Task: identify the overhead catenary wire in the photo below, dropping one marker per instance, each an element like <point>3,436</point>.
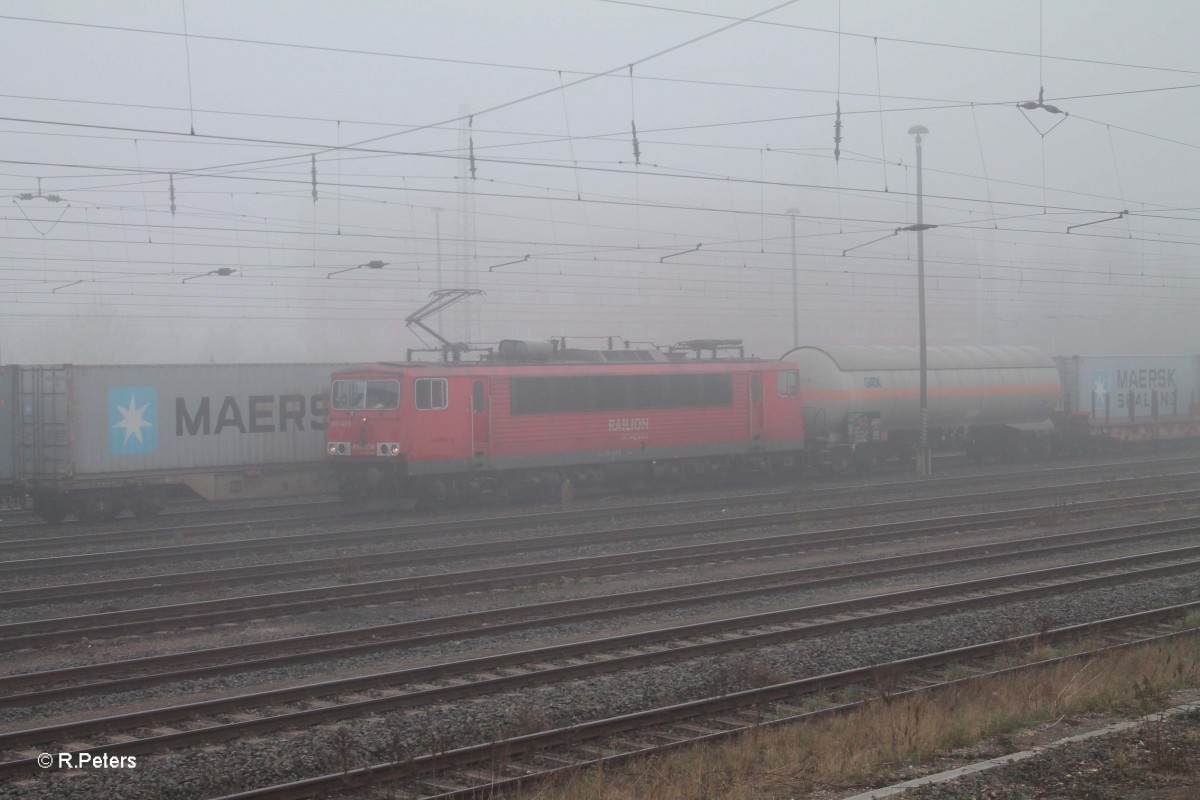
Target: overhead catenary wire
<point>658,201</point>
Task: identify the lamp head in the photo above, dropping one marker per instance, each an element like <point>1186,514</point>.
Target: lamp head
<point>918,130</point>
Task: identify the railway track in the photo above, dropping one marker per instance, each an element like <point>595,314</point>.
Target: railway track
<point>46,632</point>
<point>37,688</point>
<point>104,537</point>
<point>399,533</point>
<point>20,522</point>
<point>147,732</point>
<point>523,762</point>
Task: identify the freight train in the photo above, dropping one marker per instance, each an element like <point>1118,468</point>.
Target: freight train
<point>93,441</point>
<point>537,415</point>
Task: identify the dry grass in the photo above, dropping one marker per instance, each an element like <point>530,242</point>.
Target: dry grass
<point>880,741</point>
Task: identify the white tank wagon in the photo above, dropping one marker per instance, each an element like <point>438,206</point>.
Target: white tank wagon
<point>863,403</point>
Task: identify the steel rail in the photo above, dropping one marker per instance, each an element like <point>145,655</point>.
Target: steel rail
<point>58,563</point>
<point>567,741</point>
<point>464,627</point>
<point>389,532</point>
<point>649,647</point>
<point>105,527</point>
<point>582,513</point>
<point>42,632</point>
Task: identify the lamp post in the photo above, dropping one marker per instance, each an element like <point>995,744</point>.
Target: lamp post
<point>924,462</point>
<point>792,212</point>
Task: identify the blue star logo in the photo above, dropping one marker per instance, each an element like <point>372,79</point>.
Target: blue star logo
<point>132,420</point>
<point>1100,389</point>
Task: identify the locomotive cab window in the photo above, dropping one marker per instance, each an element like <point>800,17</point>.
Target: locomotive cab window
<point>431,393</point>
<point>788,383</point>
<point>358,395</point>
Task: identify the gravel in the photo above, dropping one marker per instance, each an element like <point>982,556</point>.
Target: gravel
<point>1158,759</point>
<point>291,755</point>
<point>252,762</point>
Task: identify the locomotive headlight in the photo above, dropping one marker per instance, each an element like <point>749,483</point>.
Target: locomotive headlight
<point>338,448</point>
<point>388,449</point>
<point>332,448</point>
<point>395,449</point>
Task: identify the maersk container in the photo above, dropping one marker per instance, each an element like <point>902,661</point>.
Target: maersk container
<point>1115,390</point>
<point>964,386</point>
<point>247,430</point>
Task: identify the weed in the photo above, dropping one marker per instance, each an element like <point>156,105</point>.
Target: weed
<point>956,672</point>
<point>814,703</point>
<point>344,748</point>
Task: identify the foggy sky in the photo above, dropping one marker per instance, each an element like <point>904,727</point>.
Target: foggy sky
<point>735,126</point>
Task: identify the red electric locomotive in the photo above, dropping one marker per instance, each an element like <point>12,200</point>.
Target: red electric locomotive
<point>537,415</point>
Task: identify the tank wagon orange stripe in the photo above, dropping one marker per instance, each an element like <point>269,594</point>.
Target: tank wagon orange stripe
<point>933,391</point>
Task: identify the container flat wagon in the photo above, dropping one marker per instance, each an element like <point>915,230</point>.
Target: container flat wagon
<point>1130,398</point>
<point>92,441</point>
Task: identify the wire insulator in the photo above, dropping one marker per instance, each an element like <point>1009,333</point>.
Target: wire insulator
<point>471,144</point>
<point>314,177</point>
<point>637,150</point>
<point>171,183</point>
<point>837,134</point>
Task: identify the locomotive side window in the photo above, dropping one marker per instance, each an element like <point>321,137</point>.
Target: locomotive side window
<point>788,383</point>
<point>478,401</point>
<point>431,393</point>
<point>356,395</point>
<point>619,392</point>
<point>755,388</point>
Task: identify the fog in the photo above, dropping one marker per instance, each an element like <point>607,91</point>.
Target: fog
<point>212,190</point>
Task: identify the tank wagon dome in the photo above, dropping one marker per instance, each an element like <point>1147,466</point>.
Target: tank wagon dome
<point>966,386</point>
